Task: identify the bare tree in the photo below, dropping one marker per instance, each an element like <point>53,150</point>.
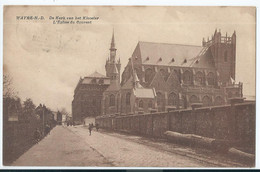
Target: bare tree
<point>8,90</point>
<point>64,111</point>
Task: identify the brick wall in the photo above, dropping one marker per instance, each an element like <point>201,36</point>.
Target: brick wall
<point>229,122</point>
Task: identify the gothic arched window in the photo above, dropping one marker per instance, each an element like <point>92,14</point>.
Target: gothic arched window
<point>128,95</point>
<point>210,77</point>
<point>194,99</point>
<point>172,100</point>
<point>163,73</point>
<point>187,77</point>
<point>148,75</point>
<point>141,104</point>
<point>111,100</point>
<point>199,78</point>
<point>206,101</point>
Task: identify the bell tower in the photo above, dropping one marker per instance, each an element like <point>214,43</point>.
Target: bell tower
<point>223,48</point>
<point>112,66</point>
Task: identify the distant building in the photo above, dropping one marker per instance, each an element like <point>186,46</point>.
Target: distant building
<point>59,118</point>
<point>161,76</point>
<point>88,96</point>
<point>45,114</point>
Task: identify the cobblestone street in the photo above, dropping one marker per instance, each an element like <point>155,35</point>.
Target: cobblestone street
<point>72,146</point>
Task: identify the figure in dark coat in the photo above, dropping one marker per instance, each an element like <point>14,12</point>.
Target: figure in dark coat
<point>97,126</point>
<point>37,135</point>
<point>47,129</point>
<point>90,128</point>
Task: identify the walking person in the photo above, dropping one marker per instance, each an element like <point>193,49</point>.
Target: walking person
<point>97,126</point>
<point>37,135</point>
<point>90,128</point>
<point>47,129</point>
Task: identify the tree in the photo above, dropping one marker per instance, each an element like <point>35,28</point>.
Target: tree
<point>8,90</point>
<point>28,106</point>
<point>11,102</point>
<point>64,111</point>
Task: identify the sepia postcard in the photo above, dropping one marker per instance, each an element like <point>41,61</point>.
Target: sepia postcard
<point>129,86</point>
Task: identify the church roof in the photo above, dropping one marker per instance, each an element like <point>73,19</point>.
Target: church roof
<point>128,84</point>
<point>96,75</point>
<point>169,54</point>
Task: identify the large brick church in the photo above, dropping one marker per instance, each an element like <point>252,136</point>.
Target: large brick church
<point>161,76</point>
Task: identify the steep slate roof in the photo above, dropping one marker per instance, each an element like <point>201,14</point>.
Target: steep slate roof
<point>96,75</point>
<point>128,84</point>
<point>183,55</point>
<point>205,60</point>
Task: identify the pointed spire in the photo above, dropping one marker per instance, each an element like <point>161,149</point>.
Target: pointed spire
<point>234,32</point>
<point>113,41</point>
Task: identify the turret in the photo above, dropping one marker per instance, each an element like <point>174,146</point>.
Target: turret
<point>113,49</point>
<point>233,38</point>
<point>223,50</point>
<point>113,67</point>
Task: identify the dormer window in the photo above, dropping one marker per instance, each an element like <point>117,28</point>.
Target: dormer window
<point>160,59</point>
<point>185,60</point>
<point>197,61</point>
<point>147,58</point>
<point>173,60</point>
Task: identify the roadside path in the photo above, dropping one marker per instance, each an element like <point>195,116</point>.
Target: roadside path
<point>62,148</point>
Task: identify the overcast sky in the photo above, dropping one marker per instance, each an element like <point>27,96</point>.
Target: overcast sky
<point>46,60</point>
